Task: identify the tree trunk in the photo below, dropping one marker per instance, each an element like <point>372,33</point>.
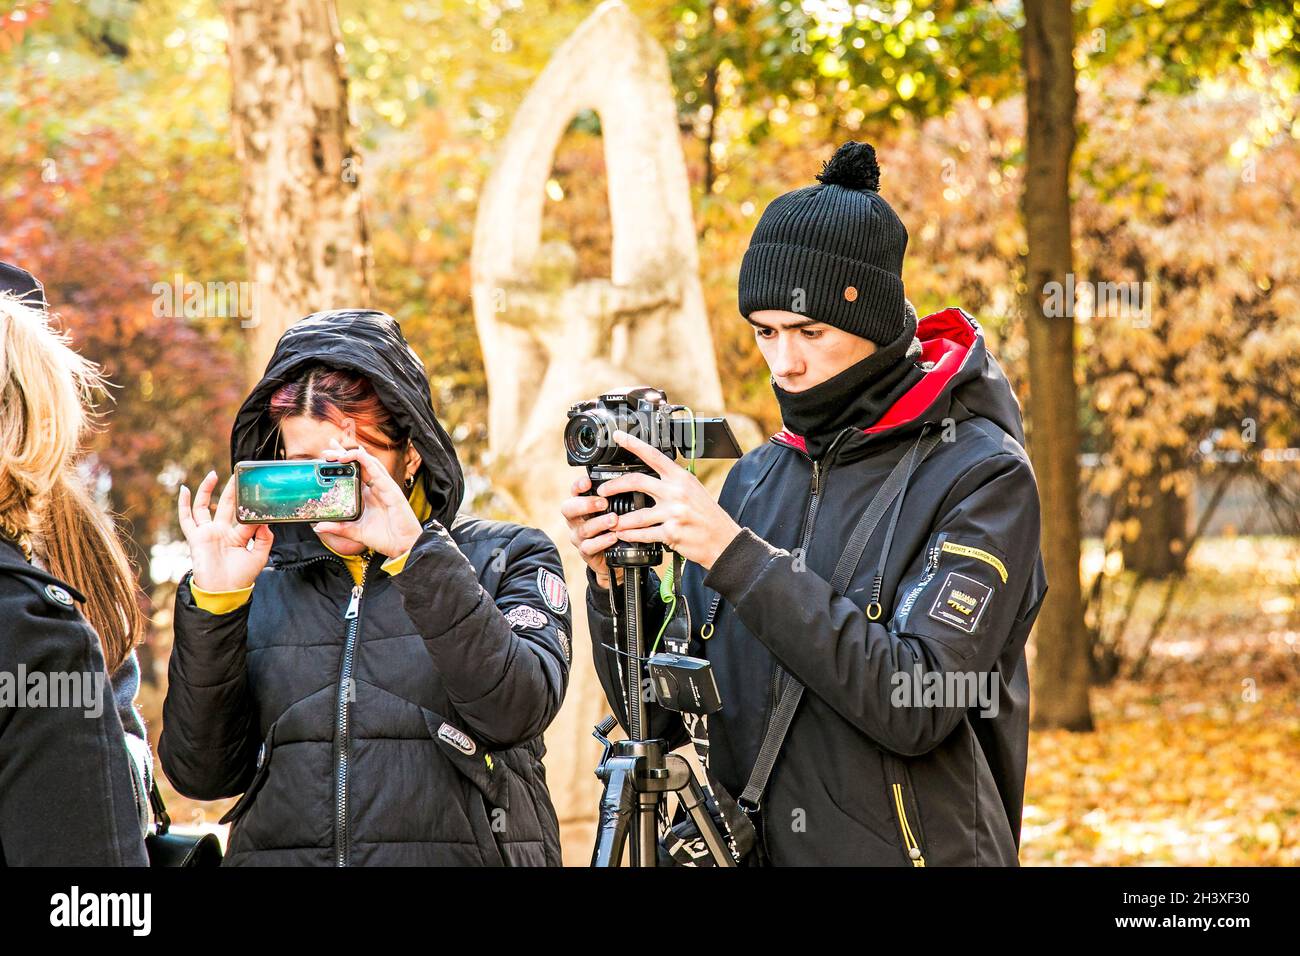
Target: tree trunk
<point>304,225</point>
<point>1061,664</point>
<point>1160,548</point>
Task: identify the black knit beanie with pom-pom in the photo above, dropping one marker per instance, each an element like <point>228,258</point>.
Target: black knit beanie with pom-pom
<point>832,252</point>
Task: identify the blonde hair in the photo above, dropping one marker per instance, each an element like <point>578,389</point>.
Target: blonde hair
<point>46,402</point>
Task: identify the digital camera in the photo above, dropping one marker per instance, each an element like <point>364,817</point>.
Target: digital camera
<point>645,413</point>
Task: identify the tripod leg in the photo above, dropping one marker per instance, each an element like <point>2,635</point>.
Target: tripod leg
<point>645,836</point>
<point>616,804</point>
<point>693,797</point>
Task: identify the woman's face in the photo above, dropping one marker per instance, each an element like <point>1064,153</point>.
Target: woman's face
<point>306,437</point>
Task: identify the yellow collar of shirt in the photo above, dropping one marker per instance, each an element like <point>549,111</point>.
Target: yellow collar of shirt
<point>356,562</point>
<point>223,602</point>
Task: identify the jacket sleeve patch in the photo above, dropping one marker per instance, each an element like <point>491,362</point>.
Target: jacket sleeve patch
<point>553,590</point>
<point>979,554</point>
<point>524,616</point>
<point>961,602</point>
<point>457,738</point>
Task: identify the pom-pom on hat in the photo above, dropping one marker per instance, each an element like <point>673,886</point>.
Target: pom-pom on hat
<point>833,251</point>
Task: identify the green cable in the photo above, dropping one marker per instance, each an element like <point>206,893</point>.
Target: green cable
<point>670,602</point>
<point>667,591</point>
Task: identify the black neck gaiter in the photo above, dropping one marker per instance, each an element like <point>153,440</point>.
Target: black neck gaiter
<point>856,397</point>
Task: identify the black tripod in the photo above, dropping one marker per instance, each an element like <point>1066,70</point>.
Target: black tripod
<point>638,774</point>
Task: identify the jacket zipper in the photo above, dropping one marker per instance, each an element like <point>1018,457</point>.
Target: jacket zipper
<point>706,629</point>
<point>295,565</point>
<point>931,569</point>
<point>810,515</point>
<point>910,843</point>
<point>353,616</point>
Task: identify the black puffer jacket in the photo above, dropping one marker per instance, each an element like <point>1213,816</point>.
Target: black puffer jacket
<point>66,796</point>
<point>863,779</point>
<point>409,733</point>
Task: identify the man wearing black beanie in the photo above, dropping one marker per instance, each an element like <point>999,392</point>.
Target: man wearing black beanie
<point>865,585</point>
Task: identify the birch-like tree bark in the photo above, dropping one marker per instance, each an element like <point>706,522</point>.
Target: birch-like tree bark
<point>303,222</point>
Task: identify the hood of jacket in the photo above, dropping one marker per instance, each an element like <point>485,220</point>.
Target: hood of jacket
<point>960,371</point>
<point>370,343</point>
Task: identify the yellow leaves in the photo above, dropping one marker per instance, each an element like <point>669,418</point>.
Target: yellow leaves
<point>831,65</point>
<point>1200,763</point>
<point>1269,835</point>
<point>1006,243</point>
<point>1100,12</point>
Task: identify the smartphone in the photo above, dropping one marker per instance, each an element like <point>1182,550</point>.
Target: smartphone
<point>277,492</point>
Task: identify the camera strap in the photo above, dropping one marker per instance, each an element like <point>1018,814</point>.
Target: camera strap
<point>751,799</point>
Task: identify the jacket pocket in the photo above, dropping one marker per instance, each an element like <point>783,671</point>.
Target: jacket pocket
<point>506,815</point>
<point>259,777</point>
<point>487,795</point>
<point>482,768</point>
<point>902,799</point>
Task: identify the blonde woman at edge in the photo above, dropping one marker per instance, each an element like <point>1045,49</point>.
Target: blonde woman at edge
<point>71,793</point>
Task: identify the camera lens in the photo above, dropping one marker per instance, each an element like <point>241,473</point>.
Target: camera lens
<point>588,438</point>
<point>582,438</point>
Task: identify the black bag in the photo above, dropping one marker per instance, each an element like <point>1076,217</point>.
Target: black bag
<point>172,849</point>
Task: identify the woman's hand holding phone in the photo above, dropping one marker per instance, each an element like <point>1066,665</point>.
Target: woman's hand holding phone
<point>220,551</point>
<point>387,523</point>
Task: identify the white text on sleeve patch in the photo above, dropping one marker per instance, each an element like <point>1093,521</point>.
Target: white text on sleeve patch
<point>961,602</point>
<point>524,616</point>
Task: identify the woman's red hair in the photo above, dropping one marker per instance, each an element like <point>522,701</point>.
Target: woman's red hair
<point>333,394</point>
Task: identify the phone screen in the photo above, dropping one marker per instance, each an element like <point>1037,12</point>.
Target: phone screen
<point>271,492</point>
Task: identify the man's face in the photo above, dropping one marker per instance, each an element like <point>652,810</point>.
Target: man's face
<point>305,437</point>
<point>802,352</point>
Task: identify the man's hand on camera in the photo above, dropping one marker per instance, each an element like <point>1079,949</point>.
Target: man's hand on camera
<point>589,522</point>
<point>684,516</point>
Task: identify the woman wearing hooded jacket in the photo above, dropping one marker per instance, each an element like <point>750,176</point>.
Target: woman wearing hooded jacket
<point>69,795</point>
<point>376,690</point>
